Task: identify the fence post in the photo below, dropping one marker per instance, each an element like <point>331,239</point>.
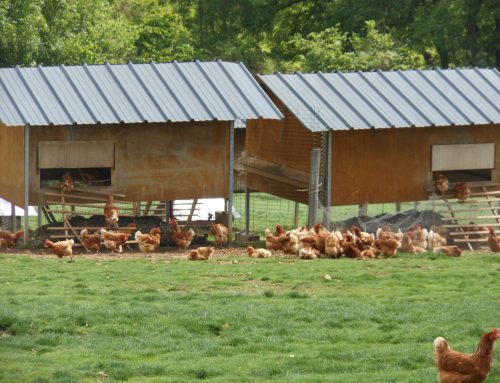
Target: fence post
<point>13,219</point>
<point>363,209</point>
<point>247,210</point>
<point>296,215</point>
<point>314,187</point>
<point>398,207</point>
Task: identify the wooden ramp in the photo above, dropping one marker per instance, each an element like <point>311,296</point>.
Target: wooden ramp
<point>77,203</point>
<point>85,202</point>
<point>467,222</point>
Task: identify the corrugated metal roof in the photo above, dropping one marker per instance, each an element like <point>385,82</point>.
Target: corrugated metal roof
<point>361,100</point>
<point>131,93</point>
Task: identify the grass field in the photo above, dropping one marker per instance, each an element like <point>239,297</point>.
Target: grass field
<point>274,320</point>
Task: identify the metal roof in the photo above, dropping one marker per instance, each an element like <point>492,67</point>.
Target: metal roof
<point>361,100</point>
<point>131,93</point>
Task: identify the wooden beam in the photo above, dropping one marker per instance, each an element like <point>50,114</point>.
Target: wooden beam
<point>193,209</point>
<point>76,196</point>
<point>470,225</point>
<point>69,212</point>
<point>466,240</point>
<point>469,218</point>
<point>314,187</point>
<point>467,210</point>
<point>83,227</point>
<point>276,172</point>
<point>90,191</point>
<point>87,205</point>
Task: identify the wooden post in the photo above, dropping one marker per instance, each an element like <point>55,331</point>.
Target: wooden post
<point>26,182</point>
<point>230,183</point>
<point>169,210</point>
<point>247,210</point>
<point>63,208</point>
<point>398,207</point>
<point>363,209</point>
<point>193,208</point>
<point>314,186</point>
<point>328,188</point>
<point>296,215</point>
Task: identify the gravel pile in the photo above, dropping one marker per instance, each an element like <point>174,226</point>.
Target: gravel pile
<point>403,220</point>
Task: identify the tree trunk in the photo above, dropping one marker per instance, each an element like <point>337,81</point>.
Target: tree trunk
<point>497,41</point>
<point>472,10</point>
<point>444,57</point>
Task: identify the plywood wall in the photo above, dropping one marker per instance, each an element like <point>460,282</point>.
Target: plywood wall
<point>387,165</point>
<point>373,166</point>
<point>11,164</point>
<point>154,161</point>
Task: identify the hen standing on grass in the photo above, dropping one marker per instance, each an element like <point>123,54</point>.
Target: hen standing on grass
<point>493,241</point>
<point>7,239</point>
<point>457,367</point>
<point>148,242</point>
<point>61,248</point>
<point>182,238</point>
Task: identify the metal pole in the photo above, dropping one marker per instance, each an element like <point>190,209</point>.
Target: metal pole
<point>26,181</point>
<point>13,222</point>
<point>328,188</point>
<point>230,187</point>
<point>247,211</point>
<point>314,186</point>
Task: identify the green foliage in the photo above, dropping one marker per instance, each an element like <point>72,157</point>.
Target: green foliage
<point>334,50</point>
<point>267,35</point>
<point>21,27</point>
<point>163,37</point>
<point>85,31</point>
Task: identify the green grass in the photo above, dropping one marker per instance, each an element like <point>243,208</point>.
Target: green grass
<point>269,320</point>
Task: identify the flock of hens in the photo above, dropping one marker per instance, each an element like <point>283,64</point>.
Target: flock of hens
<point>452,366</point>
<point>304,242</point>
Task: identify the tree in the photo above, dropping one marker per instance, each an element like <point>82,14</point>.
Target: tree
<point>21,27</point>
<point>163,36</point>
<point>85,31</point>
<point>333,50</point>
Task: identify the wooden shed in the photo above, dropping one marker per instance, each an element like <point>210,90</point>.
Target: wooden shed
<point>158,131</point>
<point>387,134</point>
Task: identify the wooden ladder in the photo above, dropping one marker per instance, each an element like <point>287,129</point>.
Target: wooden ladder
<point>485,197</point>
<point>65,204</point>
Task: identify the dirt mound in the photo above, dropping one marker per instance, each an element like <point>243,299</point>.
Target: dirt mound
<point>403,220</point>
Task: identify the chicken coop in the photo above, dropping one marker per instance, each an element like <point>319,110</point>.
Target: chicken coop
<point>383,136</point>
<point>141,132</point>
